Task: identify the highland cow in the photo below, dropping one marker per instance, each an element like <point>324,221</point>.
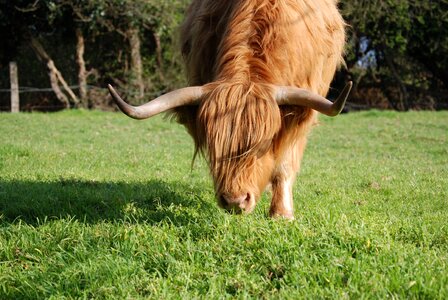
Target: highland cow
<point>258,71</point>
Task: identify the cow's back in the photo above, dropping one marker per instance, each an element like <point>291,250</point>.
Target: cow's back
<point>284,42</point>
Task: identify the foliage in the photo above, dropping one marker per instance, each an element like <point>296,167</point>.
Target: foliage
<point>397,50</point>
<point>105,25</point>
<point>102,206</point>
<point>408,41</point>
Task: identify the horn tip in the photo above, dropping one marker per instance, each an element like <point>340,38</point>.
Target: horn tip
<point>350,86</point>
<point>340,102</point>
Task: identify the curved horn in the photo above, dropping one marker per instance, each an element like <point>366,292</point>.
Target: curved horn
<point>177,98</point>
<point>287,95</point>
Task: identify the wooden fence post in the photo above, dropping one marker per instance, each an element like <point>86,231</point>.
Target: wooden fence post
<point>14,87</point>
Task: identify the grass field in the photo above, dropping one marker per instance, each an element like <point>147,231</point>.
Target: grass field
<point>96,205</point>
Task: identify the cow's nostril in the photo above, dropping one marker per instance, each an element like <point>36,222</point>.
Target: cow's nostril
<point>234,203</point>
<point>236,200</point>
<point>222,201</point>
<point>247,200</point>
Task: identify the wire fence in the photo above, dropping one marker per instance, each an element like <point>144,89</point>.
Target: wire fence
<point>44,107</point>
<point>127,94</point>
<point>23,89</point>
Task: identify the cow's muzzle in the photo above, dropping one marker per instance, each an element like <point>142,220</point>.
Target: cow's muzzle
<point>243,203</point>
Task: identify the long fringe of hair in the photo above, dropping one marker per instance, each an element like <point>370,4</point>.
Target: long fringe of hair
<point>236,124</point>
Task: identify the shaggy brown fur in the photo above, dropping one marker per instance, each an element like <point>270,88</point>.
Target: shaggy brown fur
<point>237,48</point>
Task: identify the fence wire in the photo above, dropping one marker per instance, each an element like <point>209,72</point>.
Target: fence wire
<point>25,89</point>
<point>129,92</point>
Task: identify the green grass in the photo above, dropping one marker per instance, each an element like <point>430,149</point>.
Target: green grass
<point>96,205</point>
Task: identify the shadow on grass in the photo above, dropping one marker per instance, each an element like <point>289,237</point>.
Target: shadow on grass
<point>152,202</point>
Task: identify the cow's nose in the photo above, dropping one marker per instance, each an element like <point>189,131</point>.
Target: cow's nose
<point>236,203</point>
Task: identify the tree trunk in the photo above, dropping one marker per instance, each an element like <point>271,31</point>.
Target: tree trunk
<point>403,95</point>
<point>82,73</point>
<point>55,84</point>
<point>54,74</point>
<point>159,56</point>
<point>136,62</point>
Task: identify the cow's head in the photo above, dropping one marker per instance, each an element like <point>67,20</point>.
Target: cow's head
<point>236,125</point>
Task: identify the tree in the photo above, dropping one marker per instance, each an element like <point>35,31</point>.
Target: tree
<point>397,50</point>
<point>121,41</point>
<point>24,22</point>
<point>407,41</point>
<point>132,20</point>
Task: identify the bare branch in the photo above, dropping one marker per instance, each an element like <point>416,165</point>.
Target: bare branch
<point>30,8</point>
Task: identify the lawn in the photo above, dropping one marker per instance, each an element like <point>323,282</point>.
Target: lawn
<point>96,205</point>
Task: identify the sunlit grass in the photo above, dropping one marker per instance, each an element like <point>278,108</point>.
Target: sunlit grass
<point>96,205</point>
